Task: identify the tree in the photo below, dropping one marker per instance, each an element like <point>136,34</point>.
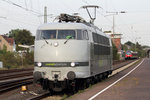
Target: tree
<point>13,33</point>
<point>140,50</point>
<point>8,59</point>
<point>29,58</point>
<point>124,47</point>
<point>115,52</point>
<point>129,43</point>
<point>21,37</point>
<point>137,48</point>
<point>131,46</point>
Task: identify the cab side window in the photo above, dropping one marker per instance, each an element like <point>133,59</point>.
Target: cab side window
<point>85,35</point>
<point>82,35</point>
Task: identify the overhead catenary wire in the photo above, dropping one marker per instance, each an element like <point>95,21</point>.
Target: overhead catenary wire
<point>110,21</point>
<point>17,5</point>
<point>127,28</point>
<point>25,9</point>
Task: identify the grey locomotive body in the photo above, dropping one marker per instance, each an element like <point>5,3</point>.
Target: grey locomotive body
<point>71,54</point>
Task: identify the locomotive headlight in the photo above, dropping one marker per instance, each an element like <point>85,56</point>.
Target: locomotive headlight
<point>72,64</point>
<point>39,64</point>
<point>55,44</point>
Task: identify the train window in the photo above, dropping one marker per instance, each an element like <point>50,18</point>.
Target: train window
<point>64,34</point>
<point>85,35</point>
<point>45,34</point>
<point>82,35</point>
<point>48,34</point>
<point>79,34</point>
<point>128,53</point>
<point>100,39</point>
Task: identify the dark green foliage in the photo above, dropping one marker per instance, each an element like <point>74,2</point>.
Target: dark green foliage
<point>29,58</point>
<point>24,37</point>
<point>139,49</point>
<point>124,47</point>
<point>8,59</point>
<point>129,43</point>
<point>15,60</point>
<point>14,33</point>
<point>115,53</point>
<point>136,47</point>
<point>21,37</point>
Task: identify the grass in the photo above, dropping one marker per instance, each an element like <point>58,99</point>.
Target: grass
<point>64,97</point>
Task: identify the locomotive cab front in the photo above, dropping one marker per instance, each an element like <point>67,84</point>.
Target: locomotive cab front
<point>61,53</point>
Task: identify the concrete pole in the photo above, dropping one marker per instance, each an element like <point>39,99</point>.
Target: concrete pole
<point>45,14</point>
<point>113,24</point>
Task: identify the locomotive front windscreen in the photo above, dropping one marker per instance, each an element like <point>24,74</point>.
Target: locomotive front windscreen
<point>62,34</point>
<point>65,34</point>
<point>46,34</point>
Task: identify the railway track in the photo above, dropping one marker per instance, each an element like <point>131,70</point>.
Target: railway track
<point>117,65</point>
<point>15,75</point>
<point>15,70</point>
<point>40,96</point>
<point>47,93</point>
<point>11,79</point>
<point>6,85</point>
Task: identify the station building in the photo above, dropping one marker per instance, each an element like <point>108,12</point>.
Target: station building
<point>116,39</point>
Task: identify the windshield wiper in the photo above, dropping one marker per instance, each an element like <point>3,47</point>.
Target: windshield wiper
<point>68,37</point>
<point>45,39</point>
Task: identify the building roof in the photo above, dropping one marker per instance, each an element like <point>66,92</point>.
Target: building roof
<point>9,40</point>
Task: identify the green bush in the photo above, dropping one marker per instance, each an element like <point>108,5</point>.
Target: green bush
<point>16,60</point>
<point>29,58</point>
<point>116,56</point>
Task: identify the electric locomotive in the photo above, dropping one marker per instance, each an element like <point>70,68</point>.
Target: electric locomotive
<point>70,54</point>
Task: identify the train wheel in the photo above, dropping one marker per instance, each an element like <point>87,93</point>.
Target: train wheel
<point>92,81</point>
<point>83,84</point>
<point>105,75</point>
<point>95,79</point>
<point>100,78</point>
<point>51,92</point>
<point>74,90</point>
<point>87,83</point>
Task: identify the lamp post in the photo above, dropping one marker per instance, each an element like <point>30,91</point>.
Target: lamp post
<point>116,38</point>
<point>113,14</point>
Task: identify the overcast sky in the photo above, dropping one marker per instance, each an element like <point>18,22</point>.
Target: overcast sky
<point>27,14</point>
